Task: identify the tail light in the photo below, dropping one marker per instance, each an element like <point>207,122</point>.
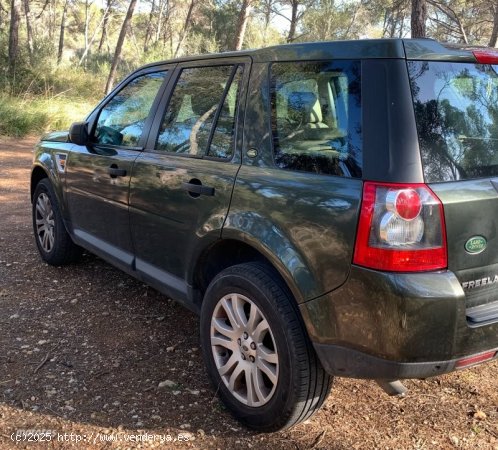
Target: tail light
<point>401,228</point>
<point>486,56</point>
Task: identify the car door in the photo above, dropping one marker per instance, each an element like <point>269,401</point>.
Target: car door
<point>98,174</point>
<point>182,183</point>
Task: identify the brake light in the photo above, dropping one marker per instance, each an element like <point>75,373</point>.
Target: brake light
<point>405,202</point>
<point>486,56</point>
<point>401,228</point>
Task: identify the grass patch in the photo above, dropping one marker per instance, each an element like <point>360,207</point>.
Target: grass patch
<point>34,115</point>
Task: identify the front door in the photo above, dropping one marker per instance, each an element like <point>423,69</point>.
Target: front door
<point>98,175</point>
<point>182,183</point>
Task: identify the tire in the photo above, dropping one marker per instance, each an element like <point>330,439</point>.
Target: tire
<point>287,382</point>
<point>52,239</point>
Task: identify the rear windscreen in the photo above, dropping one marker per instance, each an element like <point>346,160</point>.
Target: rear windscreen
<point>456,110</point>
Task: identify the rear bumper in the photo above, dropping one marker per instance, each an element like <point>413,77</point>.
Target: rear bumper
<point>345,362</point>
<point>388,325</point>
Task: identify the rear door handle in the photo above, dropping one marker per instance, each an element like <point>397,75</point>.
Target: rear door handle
<point>198,189</point>
<point>114,172</point>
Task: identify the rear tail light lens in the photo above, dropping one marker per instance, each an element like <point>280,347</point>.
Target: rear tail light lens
<point>486,56</point>
<point>405,202</point>
<point>401,229</point>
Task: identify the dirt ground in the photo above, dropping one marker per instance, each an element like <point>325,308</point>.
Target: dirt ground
<point>84,348</point>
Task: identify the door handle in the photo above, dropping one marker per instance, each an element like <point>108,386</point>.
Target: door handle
<point>114,171</point>
<point>195,188</point>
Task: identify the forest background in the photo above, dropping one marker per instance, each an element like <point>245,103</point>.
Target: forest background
<point>58,57</point>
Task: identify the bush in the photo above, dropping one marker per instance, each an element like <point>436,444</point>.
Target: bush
<point>42,96</point>
<point>32,115</point>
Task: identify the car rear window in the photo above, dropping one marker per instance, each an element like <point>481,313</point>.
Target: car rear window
<point>456,110</point>
<point>316,117</point>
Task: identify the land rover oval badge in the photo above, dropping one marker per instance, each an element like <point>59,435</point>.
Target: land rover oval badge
<point>476,244</point>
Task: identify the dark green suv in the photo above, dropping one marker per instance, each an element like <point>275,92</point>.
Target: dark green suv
<point>328,209</point>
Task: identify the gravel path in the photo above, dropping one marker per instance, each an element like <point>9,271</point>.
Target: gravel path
<point>104,361</point>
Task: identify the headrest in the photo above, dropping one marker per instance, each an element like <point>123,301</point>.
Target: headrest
<point>203,103</point>
<point>304,106</point>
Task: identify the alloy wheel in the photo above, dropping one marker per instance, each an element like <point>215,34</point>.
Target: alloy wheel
<point>244,350</point>
<point>45,223</point>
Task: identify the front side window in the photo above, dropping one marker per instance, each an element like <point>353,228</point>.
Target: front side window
<point>122,120</point>
<point>456,111</point>
<point>200,117</point>
<point>316,117</point>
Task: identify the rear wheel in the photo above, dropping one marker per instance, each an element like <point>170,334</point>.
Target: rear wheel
<point>256,349</point>
<point>53,241</point>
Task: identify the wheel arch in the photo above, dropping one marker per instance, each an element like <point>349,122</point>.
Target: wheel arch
<point>231,251</point>
<point>43,168</point>
<point>37,174</point>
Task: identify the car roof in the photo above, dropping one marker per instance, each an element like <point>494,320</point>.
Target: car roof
<point>425,49</point>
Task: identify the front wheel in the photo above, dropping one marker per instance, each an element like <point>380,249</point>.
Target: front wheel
<point>52,239</point>
<point>256,349</point>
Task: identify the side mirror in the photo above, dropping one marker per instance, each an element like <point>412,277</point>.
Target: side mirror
<point>78,133</point>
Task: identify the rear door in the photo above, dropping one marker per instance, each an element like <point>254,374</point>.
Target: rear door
<point>182,183</point>
<point>98,175</point>
<point>456,109</point>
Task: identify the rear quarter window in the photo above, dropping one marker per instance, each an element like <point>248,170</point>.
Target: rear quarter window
<point>456,110</point>
<point>316,117</point>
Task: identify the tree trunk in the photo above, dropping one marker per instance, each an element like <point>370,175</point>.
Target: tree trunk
<point>494,34</point>
<point>183,34</point>
<point>148,31</point>
<point>119,45</point>
<point>87,49</point>
<point>419,15</point>
<point>87,22</point>
<point>103,36</point>
<point>267,10</point>
<point>162,5</point>
<point>13,35</point>
<point>242,24</point>
<point>293,21</point>
<point>52,18</point>
<point>29,30</point>
<point>61,34</point>
<point>87,29</point>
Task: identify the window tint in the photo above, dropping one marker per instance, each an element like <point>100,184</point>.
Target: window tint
<point>456,110</point>
<point>316,117</point>
<point>122,120</point>
<point>194,107</point>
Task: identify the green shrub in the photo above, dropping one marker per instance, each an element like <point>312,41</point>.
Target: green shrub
<point>34,115</point>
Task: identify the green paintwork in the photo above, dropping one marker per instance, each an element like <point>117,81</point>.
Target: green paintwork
<point>470,209</point>
<point>56,136</point>
<point>98,204</point>
<point>400,317</point>
<point>44,161</point>
<point>390,314</point>
<point>167,224</point>
<point>305,224</point>
<point>429,49</point>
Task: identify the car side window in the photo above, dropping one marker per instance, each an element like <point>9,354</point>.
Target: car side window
<point>121,121</point>
<point>316,117</point>
<point>200,117</point>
